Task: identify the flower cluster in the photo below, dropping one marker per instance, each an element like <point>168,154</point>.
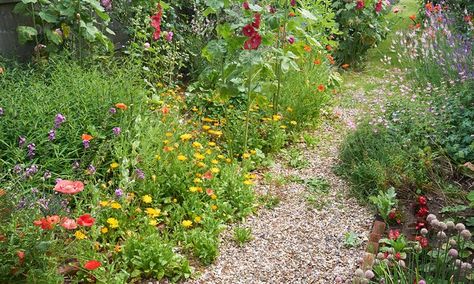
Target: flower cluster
<point>251,32</point>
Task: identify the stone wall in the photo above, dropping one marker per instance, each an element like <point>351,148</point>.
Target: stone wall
<point>9,45</point>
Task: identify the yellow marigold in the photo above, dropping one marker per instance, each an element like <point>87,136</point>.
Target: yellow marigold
<point>215,170</point>
<point>208,151</point>
<point>166,142</point>
<point>104,230</point>
<point>114,165</point>
<point>194,109</point>
<point>253,152</point>
<point>214,207</point>
<point>152,212</point>
<point>283,126</point>
<point>197,219</point>
<point>228,160</point>
<point>157,157</point>
<point>293,122</point>
<point>207,119</point>
<point>221,157</point>
<point>213,197</point>
<point>168,134</point>
<point>113,223</point>
<point>215,162</point>
<point>197,144</point>
<point>104,203</point>
<point>206,127</point>
<point>199,156</point>
<point>80,235</point>
<point>197,180</point>
<point>187,223</point>
<point>276,117</point>
<point>115,205</point>
<point>248,182</point>
<point>211,144</point>
<point>182,158</point>
<point>215,132</point>
<point>245,155</point>
<point>185,137</point>
<point>117,248</point>
<point>147,199</point>
<point>153,222</point>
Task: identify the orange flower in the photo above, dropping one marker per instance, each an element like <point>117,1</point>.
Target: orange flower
<point>413,17</point>
<point>317,61</point>
<point>86,137</point>
<point>165,110</point>
<point>121,106</point>
<point>291,14</point>
<point>345,66</point>
<point>307,48</point>
<point>321,88</point>
<point>331,59</point>
<point>328,47</point>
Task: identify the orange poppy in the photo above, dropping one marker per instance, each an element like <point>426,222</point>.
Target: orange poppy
<point>121,106</point>
<point>345,66</point>
<point>317,61</point>
<point>86,137</point>
<point>307,48</point>
<point>321,88</point>
<point>328,47</point>
<point>418,26</point>
<point>413,17</point>
<point>291,14</point>
<point>165,110</point>
<point>331,59</point>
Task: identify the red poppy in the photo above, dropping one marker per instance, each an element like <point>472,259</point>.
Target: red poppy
<point>165,110</point>
<point>209,191</point>
<point>69,186</point>
<point>398,256</point>
<point>249,30</point>
<point>422,200</point>
<point>429,7</point>
<point>253,42</point>
<point>53,219</point>
<point>21,256</point>
<point>345,66</point>
<point>321,88</point>
<point>92,265</point>
<point>392,214</point>
<point>85,220</point>
<point>44,223</point>
<point>256,21</point>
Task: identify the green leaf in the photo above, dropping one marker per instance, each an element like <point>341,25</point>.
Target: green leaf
<point>307,14</point>
<point>48,16</point>
<point>53,36</point>
<point>26,33</point>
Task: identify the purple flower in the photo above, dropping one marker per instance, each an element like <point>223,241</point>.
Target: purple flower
<point>31,150</point>
<point>34,190</point>
<point>118,192</point>
<point>291,39</point>
<point>86,144</point>
<point>91,169</point>
<point>21,141</point>
<point>47,175</point>
<point>1,111</point>
<point>52,135</point>
<point>31,171</point>
<point>140,174</point>
<point>116,131</point>
<point>17,169</point>
<point>169,36</point>
<point>112,110</point>
<point>293,2</point>
<point>21,204</point>
<point>58,120</point>
<point>107,4</point>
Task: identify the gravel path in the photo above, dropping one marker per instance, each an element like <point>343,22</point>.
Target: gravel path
<point>299,241</point>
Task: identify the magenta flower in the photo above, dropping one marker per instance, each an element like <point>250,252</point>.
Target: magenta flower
<point>52,135</point>
<point>291,39</point>
<point>169,36</point>
<point>116,131</point>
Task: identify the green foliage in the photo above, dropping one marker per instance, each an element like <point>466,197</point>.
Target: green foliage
<point>77,24</point>
<point>351,240</point>
<point>242,235</point>
<point>361,28</point>
<point>269,201</point>
<point>385,202</point>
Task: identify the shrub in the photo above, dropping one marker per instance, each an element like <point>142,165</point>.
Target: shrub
<point>362,25</point>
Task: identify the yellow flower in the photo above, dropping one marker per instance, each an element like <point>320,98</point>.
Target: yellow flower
<point>289,109</point>
<point>213,197</point>
<point>201,165</point>
<point>117,248</point>
<point>248,182</point>
<point>114,165</point>
<point>197,219</point>
<point>185,137</point>
<point>147,199</point>
<point>215,170</point>
<point>80,235</point>
<point>214,207</point>
<point>104,186</point>
<point>207,119</point>
<point>215,132</point>
<point>157,157</point>
<point>104,230</point>
<point>153,177</point>
<point>104,203</point>
<point>253,152</point>
<point>199,156</point>
<point>283,126</point>
<point>293,122</point>
<point>276,117</point>
<point>211,144</point>
<point>152,212</point>
<point>245,155</point>
<point>197,144</point>
<point>168,134</point>
<point>194,109</point>
<point>166,141</point>
<point>228,160</point>
<point>194,189</point>
<point>138,210</point>
<point>175,200</point>
<point>113,223</point>
<point>115,205</point>
<point>215,162</point>
<point>221,157</point>
<point>187,223</point>
<point>153,222</point>
<point>250,176</point>
<point>197,180</point>
<point>206,127</point>
<point>208,151</point>
<point>182,158</point>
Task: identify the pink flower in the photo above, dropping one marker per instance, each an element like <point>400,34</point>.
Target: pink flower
<point>207,175</point>
<point>256,21</point>
<point>68,224</point>
<point>360,4</point>
<point>249,31</point>
<point>394,234</point>
<point>293,2</point>
<point>378,6</point>
<point>69,186</point>
<point>291,39</point>
<point>156,22</point>
<point>209,191</point>
<point>253,42</point>
<point>169,36</point>
<point>246,5</point>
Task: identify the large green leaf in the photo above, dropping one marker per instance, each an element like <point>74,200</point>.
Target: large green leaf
<point>26,34</point>
<point>49,16</point>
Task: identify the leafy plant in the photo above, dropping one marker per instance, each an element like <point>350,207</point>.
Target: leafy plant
<point>242,235</point>
<point>351,239</point>
<point>384,202</point>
